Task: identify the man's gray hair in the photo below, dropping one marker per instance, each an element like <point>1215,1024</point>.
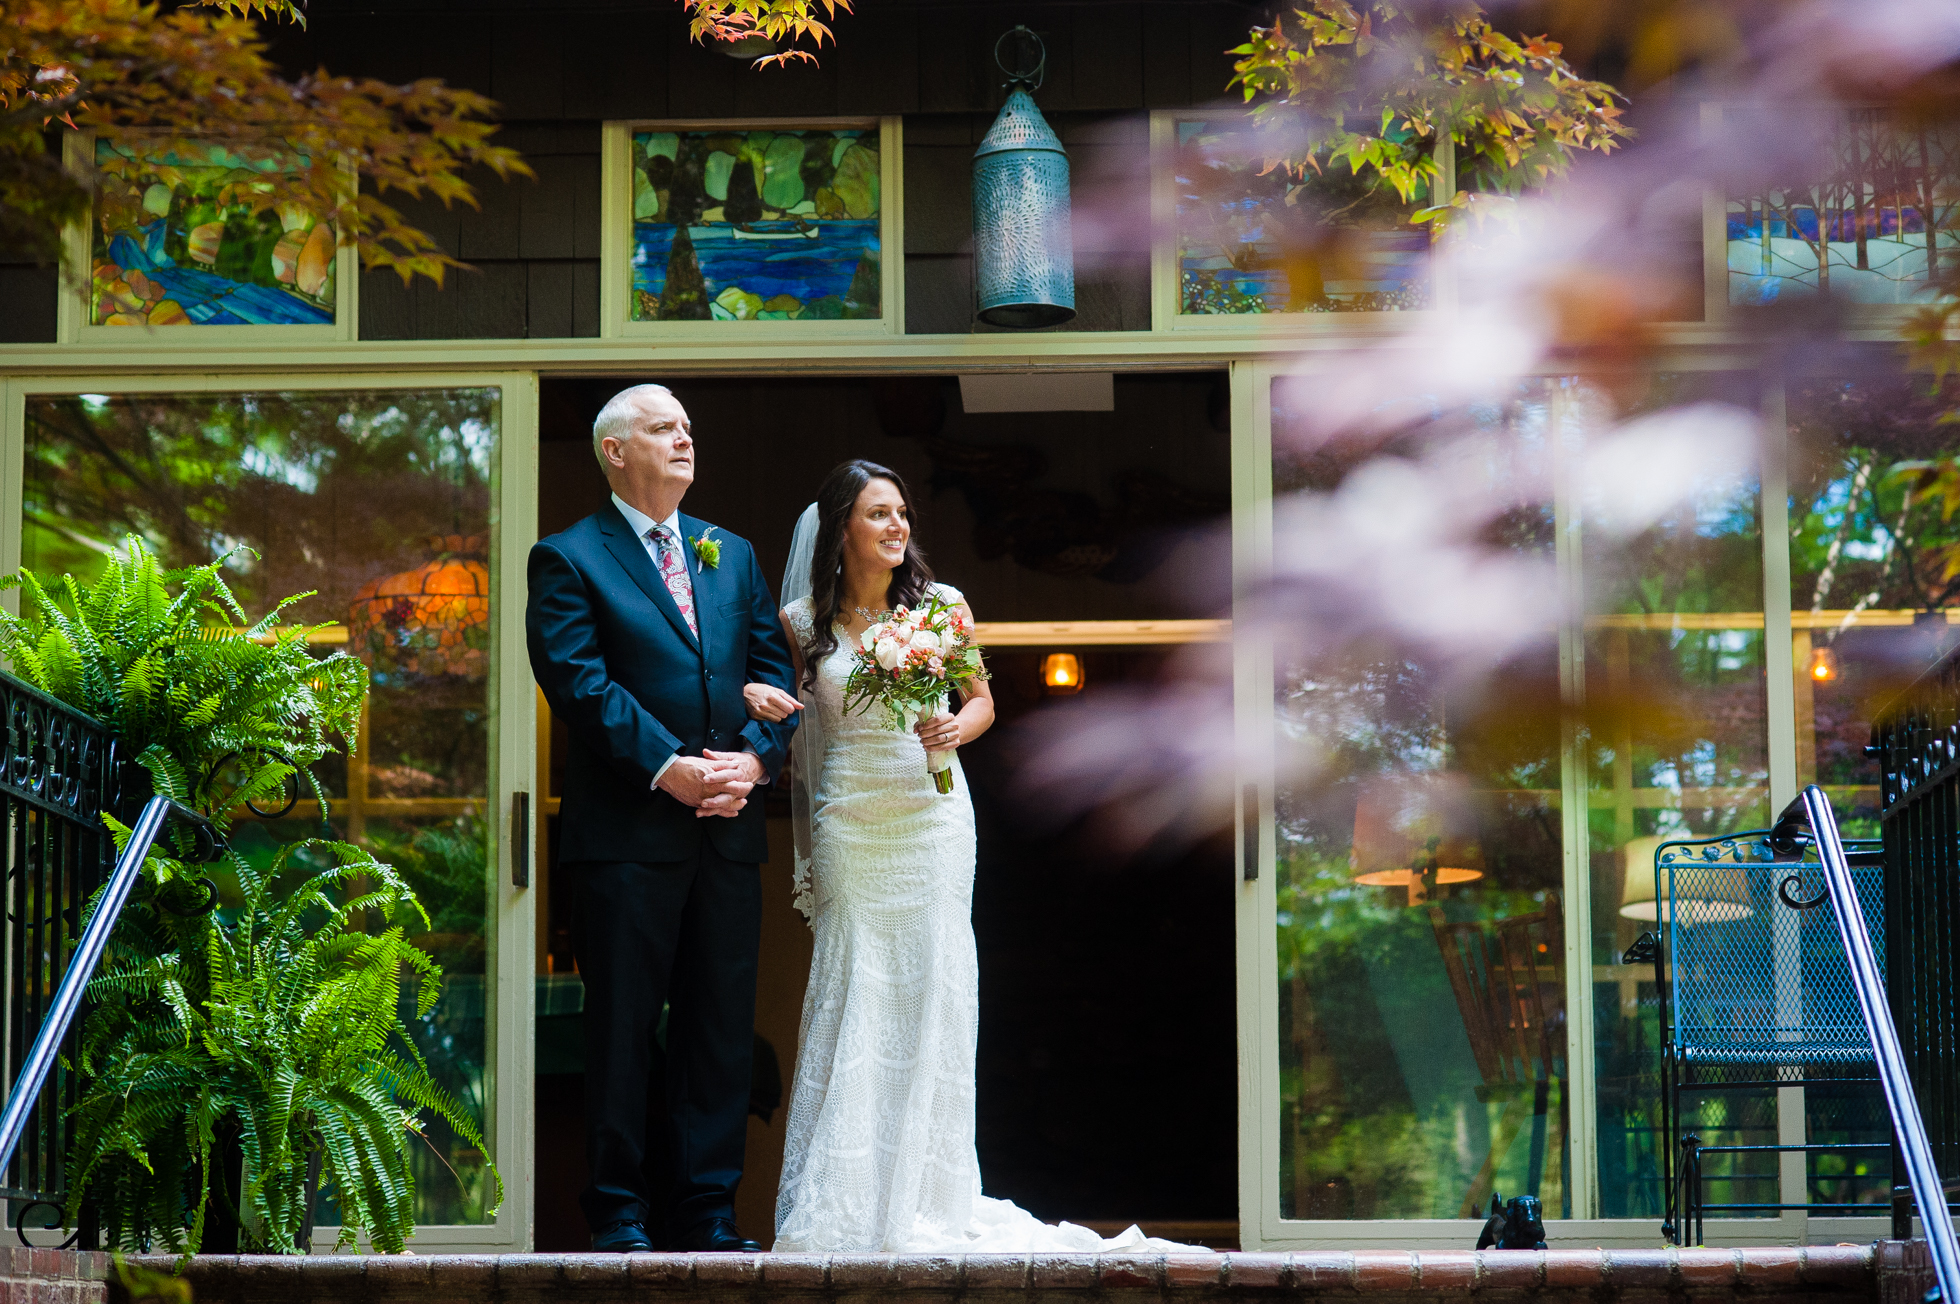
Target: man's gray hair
<point>615,419</point>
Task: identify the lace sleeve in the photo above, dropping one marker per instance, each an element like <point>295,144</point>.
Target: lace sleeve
<point>802,621</point>
<point>806,753</point>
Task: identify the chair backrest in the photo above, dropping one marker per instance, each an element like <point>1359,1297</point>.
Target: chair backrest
<point>1754,980</point>
<point>1508,976</point>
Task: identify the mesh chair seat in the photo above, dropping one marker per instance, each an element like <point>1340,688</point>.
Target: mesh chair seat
<point>1754,980</point>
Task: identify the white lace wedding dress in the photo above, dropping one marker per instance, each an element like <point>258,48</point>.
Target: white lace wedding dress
<point>879,1156</point>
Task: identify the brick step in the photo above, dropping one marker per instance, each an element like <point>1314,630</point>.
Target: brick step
<point>1777,1275</point>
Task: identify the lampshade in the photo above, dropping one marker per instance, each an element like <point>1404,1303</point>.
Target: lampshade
<point>1061,672</point>
<point>1409,838</point>
<point>432,620</point>
<point>1644,892</point>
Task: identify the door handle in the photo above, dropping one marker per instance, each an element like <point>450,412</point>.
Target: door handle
<point>520,839</point>
<point>1249,848</point>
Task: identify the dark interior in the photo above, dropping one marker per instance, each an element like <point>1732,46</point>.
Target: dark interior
<point>1107,1066</point>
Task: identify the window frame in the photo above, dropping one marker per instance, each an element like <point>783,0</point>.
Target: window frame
<point>511,912</point>
<point>75,333</point>
<point>1256,717</point>
<point>1165,281</point>
<point>616,239</point>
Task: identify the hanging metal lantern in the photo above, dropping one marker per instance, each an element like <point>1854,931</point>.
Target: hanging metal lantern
<point>1023,255</point>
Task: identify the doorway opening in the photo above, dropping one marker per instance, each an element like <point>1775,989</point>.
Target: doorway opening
<point>1107,1068</point>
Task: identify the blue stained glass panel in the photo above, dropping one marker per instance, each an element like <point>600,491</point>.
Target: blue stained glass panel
<point>756,226</point>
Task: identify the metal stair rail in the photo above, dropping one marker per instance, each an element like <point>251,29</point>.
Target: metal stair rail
<point>1811,813</point>
<point>59,771</point>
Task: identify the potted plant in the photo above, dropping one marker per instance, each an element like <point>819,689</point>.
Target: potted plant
<point>274,1024</point>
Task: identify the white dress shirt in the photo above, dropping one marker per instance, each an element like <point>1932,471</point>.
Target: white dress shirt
<point>643,526</point>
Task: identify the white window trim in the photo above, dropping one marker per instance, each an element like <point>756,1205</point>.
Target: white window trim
<point>511,925</point>
<point>616,239</point>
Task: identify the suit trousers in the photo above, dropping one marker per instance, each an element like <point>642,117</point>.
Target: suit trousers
<point>682,934</point>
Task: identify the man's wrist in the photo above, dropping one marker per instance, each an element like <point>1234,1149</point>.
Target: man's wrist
<point>661,773</point>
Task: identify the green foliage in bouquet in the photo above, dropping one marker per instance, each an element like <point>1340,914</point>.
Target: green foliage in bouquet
<point>219,708</point>
<point>278,1021</point>
<point>918,682</point>
<point>288,1022</point>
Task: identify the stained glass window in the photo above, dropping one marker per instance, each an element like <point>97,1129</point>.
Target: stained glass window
<point>1873,227</point>
<point>756,225</point>
<point>1256,240</point>
<point>182,237</point>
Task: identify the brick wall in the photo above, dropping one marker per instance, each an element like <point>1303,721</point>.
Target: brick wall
<point>29,1276</point>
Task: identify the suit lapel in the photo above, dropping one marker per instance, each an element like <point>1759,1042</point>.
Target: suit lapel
<point>632,556</point>
<point>707,581</point>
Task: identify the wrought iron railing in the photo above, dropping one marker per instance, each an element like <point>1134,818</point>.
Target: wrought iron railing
<point>59,770</point>
<point>1809,818</point>
<point>1917,743</point>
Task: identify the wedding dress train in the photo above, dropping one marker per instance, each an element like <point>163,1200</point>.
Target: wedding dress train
<point>880,1155</point>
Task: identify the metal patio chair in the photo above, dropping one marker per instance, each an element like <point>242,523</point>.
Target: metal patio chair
<point>1754,988</point>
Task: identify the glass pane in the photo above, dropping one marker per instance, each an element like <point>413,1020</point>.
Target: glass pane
<point>1420,917</point>
<point>174,243</point>
<point>1873,226</point>
<point>741,225</point>
<point>1871,580</point>
<point>1677,747</point>
<point>1872,593</point>
<point>379,502</point>
<point>1254,240</point>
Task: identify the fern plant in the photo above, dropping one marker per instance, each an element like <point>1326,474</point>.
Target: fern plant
<point>281,1023</point>
<point>288,1022</point>
<point>220,709</point>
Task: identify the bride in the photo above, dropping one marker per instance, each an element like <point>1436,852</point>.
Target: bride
<point>880,1155</point>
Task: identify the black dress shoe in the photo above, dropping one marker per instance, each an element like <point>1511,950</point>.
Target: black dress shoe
<point>717,1236</point>
<point>627,1236</point>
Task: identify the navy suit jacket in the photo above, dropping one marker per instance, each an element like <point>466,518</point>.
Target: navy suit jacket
<point>618,665</point>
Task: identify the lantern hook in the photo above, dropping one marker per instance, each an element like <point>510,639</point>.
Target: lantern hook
<point>1029,78</point>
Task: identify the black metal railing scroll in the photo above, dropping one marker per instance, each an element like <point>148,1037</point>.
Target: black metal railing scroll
<point>59,770</point>
<point>1810,818</point>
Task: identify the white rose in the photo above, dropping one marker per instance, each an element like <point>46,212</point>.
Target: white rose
<point>887,652</point>
<point>926,639</point>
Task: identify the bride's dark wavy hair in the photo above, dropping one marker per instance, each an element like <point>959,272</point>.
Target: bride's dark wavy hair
<point>835,500</point>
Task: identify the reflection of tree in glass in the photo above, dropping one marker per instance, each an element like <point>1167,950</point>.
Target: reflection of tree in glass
<point>330,488</point>
<point>1359,1137</point>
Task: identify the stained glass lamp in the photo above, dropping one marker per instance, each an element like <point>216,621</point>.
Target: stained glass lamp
<point>429,621</point>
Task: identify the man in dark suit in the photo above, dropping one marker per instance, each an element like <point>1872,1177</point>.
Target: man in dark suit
<point>643,627</point>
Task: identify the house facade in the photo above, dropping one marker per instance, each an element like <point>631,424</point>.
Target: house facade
<point>1330,1025</point>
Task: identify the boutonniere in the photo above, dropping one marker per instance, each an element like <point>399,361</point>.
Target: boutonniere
<point>706,551</point>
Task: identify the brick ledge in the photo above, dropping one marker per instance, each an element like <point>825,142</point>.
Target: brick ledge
<point>1769,1273</point>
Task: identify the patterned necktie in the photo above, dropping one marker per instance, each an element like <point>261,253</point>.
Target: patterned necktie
<point>674,571</point>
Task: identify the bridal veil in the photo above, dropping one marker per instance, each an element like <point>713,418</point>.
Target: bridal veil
<point>806,749</point>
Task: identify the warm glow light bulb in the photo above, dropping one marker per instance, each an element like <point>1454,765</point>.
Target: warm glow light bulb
<point>1061,672</point>
<point>1823,665</point>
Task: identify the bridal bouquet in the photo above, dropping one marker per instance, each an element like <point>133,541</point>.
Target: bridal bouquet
<point>909,661</point>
